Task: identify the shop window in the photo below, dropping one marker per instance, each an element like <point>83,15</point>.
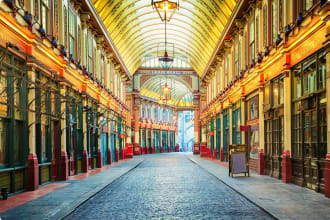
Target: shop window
<point>309,121</point>
<point>278,91</point>
<point>90,54</point>
<point>45,15</point>
<point>254,141</point>
<point>237,69</point>
<point>257,34</point>
<point>322,71</point>
<point>309,77</point>
<point>236,120</point>
<point>267,95</point>
<point>265,26</point>
<point>65,12</point>
<point>226,70</point>
<point>280,15</point>
<point>3,96</point>
<point>296,72</point>
<point>102,70</point>
<point>274,10</point>
<point>72,33</point>
<point>253,108</point>
<point>3,143</point>
<point>252,40</point>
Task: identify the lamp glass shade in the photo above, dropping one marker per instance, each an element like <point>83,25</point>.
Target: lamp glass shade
<point>165,9</point>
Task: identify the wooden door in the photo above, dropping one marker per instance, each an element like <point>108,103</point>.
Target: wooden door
<point>72,149</point>
<point>311,165</point>
<point>277,146</point>
<point>104,148</point>
<point>55,151</point>
<point>268,147</point>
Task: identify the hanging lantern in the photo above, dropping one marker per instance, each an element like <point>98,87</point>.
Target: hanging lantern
<point>165,8</point>
<point>166,90</point>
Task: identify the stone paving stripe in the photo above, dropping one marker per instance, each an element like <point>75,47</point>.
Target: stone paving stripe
<point>59,203</point>
<point>282,200</point>
<point>237,191</point>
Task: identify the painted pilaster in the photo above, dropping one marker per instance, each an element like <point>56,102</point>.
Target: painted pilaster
<point>196,123</point>
<point>286,157</point>
<point>221,137</point>
<point>32,167</point>
<point>109,139</point>
<point>261,159</point>
<point>243,120</point>
<point>161,139</point>
<point>99,131</point>
<point>203,145</point>
<point>64,174</point>
<point>327,161</point>
<point>136,110</point>
<point>177,147</point>
<point>152,141</point>
<point>147,141</point>
<point>85,134</point>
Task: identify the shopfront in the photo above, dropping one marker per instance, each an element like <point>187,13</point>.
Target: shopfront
<point>226,137</point>
<point>274,126</point>
<point>13,123</point>
<point>236,122</point>
<point>74,137</point>
<point>252,121</point>
<point>309,122</point>
<point>92,133</point>
<point>47,127</point>
<point>113,141</point>
<point>218,135</point>
<point>157,140</point>
<point>165,141</point>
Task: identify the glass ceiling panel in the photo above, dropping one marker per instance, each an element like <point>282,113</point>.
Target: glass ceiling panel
<point>194,28</point>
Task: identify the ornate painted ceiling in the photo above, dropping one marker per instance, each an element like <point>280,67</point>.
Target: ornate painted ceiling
<point>137,30</point>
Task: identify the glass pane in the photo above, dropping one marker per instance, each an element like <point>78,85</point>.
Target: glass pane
<point>17,142</point>
<point>309,78</point>
<point>276,92</point>
<point>43,143</point>
<point>296,83</point>
<point>3,143</point>
<point>281,92</point>
<point>322,71</point>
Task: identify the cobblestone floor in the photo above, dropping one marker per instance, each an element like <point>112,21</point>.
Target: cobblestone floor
<point>168,187</point>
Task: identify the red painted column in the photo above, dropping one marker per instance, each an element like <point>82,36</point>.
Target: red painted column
<point>197,130</point>
<point>203,152</point>
<point>214,154</point>
<point>136,145</point>
<point>64,166</point>
<point>261,162</point>
<point>221,154</point>
<point>286,167</point>
<point>85,162</point>
<point>32,172</point>
<point>129,153</point>
<point>117,155</point>
<point>109,156</point>
<point>99,158</point>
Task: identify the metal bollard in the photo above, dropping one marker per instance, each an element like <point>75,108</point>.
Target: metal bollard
<point>4,193</point>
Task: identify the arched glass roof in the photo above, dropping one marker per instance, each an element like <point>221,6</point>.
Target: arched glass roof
<point>153,62</point>
<point>136,28</point>
<point>181,92</point>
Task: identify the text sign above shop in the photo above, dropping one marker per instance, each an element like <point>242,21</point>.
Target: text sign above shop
<point>166,72</point>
